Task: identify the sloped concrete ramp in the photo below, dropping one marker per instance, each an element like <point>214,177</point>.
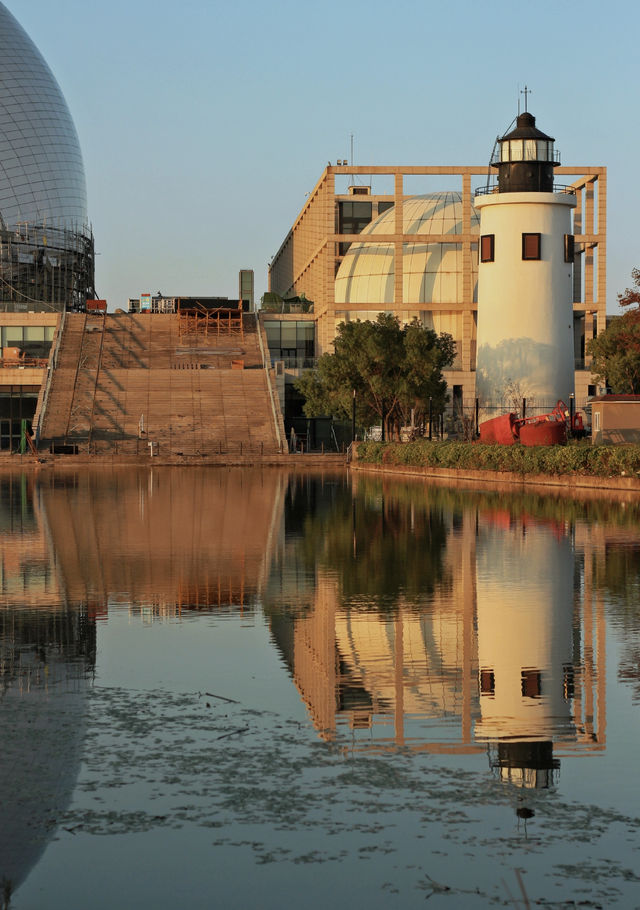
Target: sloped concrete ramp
<point>125,381</point>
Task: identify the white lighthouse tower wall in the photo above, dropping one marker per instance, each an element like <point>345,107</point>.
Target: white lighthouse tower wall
<point>525,622</point>
<point>525,307</point>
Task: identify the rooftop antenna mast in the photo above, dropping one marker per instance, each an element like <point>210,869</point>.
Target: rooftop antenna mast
<point>525,91</point>
<point>496,145</point>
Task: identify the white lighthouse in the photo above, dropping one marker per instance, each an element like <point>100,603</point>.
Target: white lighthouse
<point>525,278</point>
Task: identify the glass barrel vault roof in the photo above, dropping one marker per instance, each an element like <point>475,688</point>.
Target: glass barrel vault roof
<point>41,171</point>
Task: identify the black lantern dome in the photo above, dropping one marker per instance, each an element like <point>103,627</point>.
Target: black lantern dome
<point>525,159</point>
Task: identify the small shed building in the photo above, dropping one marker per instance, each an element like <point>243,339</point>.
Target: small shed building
<point>615,419</point>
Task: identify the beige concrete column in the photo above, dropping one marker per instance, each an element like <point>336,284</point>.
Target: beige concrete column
<point>602,251</point>
<point>467,282</point>
<point>588,258</point>
<point>601,652</point>
<point>578,263</point>
<point>468,574</point>
<point>398,266</point>
<point>328,253</point>
<point>399,678</point>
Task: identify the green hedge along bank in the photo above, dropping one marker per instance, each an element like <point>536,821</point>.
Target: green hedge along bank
<point>579,458</point>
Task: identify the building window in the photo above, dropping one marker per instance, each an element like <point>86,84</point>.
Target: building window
<point>487,682</point>
<point>531,246</point>
<point>291,340</point>
<point>531,683</point>
<point>384,207</point>
<point>353,217</point>
<point>569,247</point>
<point>32,340</point>
<point>487,247</point>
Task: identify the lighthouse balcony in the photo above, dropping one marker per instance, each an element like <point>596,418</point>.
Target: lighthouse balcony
<point>489,189</point>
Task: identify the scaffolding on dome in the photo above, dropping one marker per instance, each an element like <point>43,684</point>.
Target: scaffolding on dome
<point>45,268</point>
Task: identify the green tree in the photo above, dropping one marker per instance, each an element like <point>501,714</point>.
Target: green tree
<point>392,368</point>
<point>615,352</point>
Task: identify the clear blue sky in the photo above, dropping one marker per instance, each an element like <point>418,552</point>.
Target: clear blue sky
<point>203,124</point>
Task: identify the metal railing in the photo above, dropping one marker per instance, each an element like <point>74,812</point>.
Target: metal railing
<point>490,189</point>
<point>294,363</point>
<point>41,408</point>
<point>463,420</point>
<point>266,363</point>
<point>135,446</point>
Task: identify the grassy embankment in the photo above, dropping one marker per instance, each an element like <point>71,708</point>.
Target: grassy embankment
<point>574,458</point>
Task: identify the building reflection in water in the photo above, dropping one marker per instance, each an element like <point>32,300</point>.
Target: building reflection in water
<point>490,636</point>
<point>71,545</point>
<point>47,658</point>
<point>387,633</point>
<point>164,540</point>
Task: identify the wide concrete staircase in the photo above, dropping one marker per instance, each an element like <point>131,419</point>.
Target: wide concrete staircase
<point>125,381</point>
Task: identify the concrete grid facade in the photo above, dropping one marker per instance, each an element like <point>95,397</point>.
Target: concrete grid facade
<point>310,256</point>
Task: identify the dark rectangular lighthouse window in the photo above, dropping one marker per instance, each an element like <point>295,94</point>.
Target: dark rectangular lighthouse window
<point>531,683</point>
<point>569,247</point>
<point>531,246</point>
<point>487,247</point>
<point>487,682</point>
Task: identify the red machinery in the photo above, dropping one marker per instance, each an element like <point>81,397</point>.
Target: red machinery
<point>97,306</point>
<point>541,430</point>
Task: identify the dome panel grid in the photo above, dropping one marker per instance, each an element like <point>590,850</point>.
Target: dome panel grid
<point>41,170</point>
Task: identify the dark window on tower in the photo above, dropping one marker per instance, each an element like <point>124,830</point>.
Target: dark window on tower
<point>487,247</point>
<point>487,682</point>
<point>353,218</point>
<point>569,247</point>
<point>531,683</point>
<point>531,246</point>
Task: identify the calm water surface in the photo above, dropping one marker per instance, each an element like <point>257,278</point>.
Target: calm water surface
<point>250,688</point>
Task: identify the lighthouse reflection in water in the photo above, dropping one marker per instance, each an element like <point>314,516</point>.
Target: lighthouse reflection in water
<point>489,639</point>
<point>527,665</point>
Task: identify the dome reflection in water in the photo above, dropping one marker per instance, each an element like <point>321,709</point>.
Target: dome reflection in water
<point>47,656</point>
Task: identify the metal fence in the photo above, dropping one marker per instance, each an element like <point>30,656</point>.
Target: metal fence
<point>464,420</point>
<point>152,448</point>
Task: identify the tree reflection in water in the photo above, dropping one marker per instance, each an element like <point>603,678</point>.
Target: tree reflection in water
<point>383,543</point>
